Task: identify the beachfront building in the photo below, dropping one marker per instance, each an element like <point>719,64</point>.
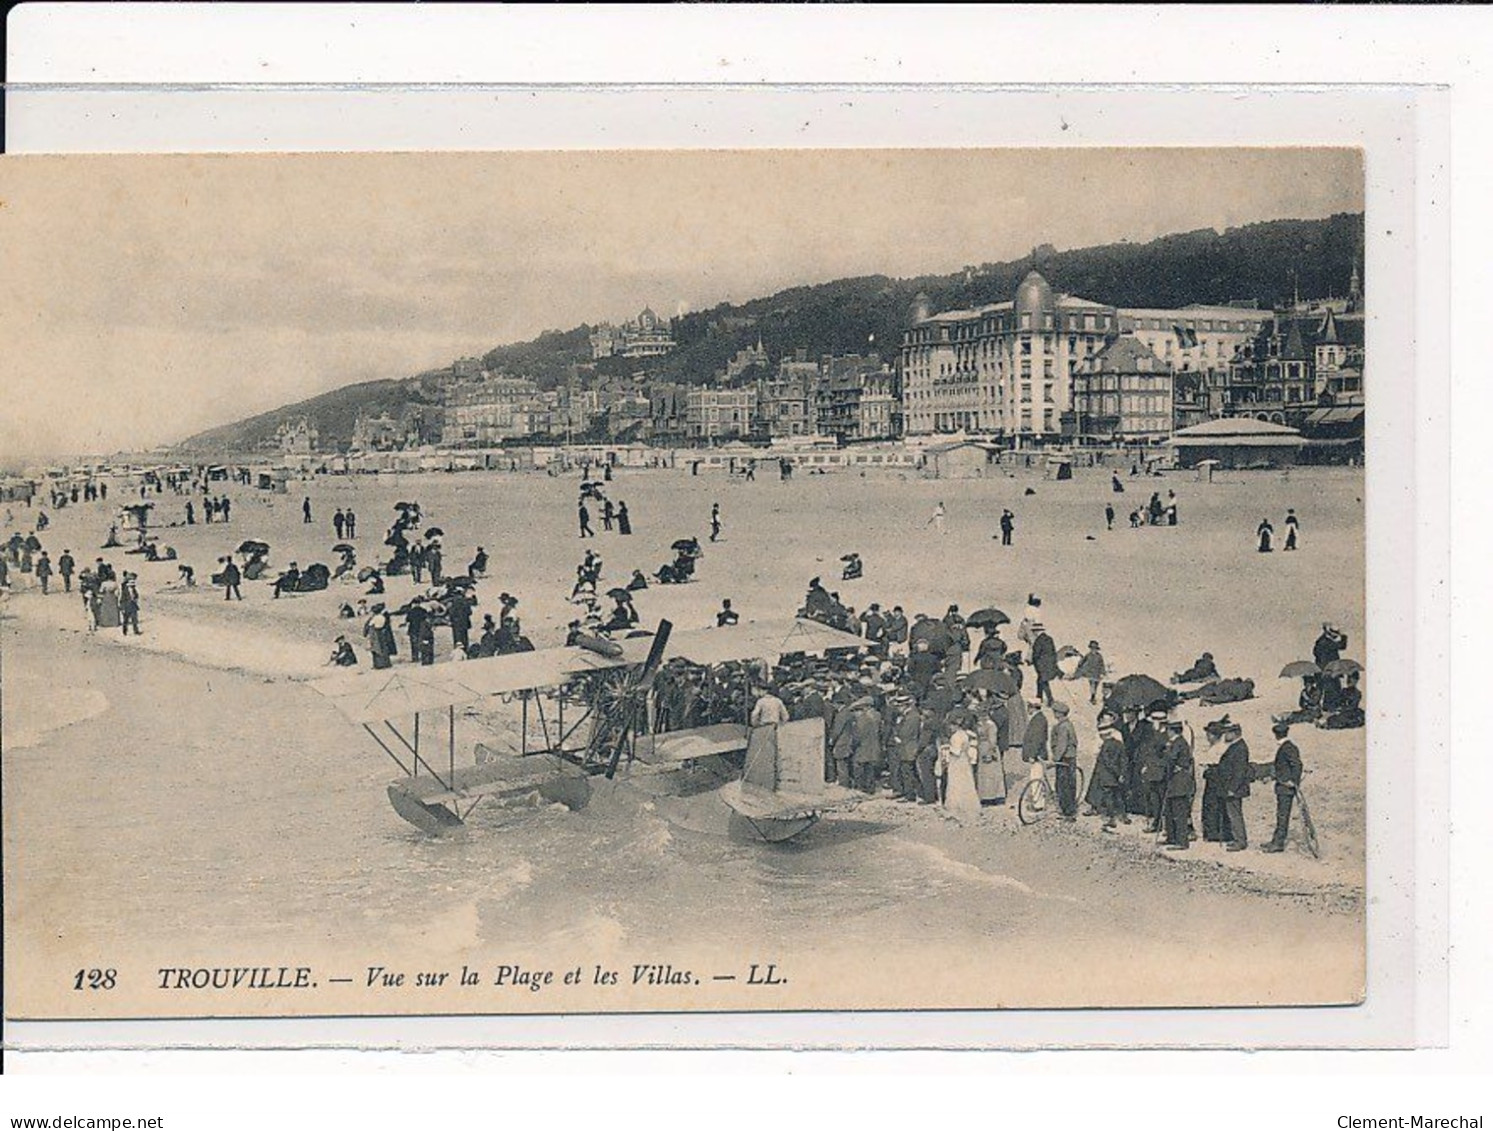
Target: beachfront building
<point>1007,368</point>
<point>855,398</point>
<point>647,335</point>
<point>719,414</point>
<point>1122,394</point>
<point>1237,443</point>
<point>378,433</point>
<point>296,437</point>
<point>667,409</point>
<point>487,412</point>
<point>1298,361</point>
<point>1196,338</point>
<point>786,405</point>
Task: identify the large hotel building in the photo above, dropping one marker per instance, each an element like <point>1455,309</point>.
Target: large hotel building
<point>1007,368</point>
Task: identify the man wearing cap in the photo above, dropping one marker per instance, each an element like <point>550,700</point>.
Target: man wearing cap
<point>1063,741</point>
<point>1233,783</point>
<point>1181,787</point>
<point>1109,771</point>
<point>1150,760</point>
<point>873,628</point>
<point>1287,774</point>
<point>866,752</point>
<point>896,631</point>
<point>904,732</point>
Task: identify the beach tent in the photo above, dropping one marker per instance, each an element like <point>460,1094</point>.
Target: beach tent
<point>964,459</point>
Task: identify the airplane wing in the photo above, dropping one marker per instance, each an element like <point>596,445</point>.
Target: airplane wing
<point>372,696</point>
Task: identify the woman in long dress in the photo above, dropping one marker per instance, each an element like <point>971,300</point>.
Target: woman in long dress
<point>990,773</point>
<point>957,756</point>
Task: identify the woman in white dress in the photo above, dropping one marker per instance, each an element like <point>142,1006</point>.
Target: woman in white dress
<point>957,756</point>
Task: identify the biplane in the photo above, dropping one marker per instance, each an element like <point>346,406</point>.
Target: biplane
<point>608,726</point>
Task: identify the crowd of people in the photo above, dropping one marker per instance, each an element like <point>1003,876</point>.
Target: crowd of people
<point>921,715</point>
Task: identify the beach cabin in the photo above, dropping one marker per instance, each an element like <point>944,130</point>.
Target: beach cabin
<point>964,459</point>
<point>1237,442</point>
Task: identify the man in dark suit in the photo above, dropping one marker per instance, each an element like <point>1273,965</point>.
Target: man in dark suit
<point>1150,760</point>
<point>1181,787</point>
<point>1233,773</point>
<point>1109,771</point>
<point>1044,663</point>
<point>1287,774</point>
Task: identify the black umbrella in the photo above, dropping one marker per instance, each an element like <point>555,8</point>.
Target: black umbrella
<point>252,547</point>
<point>687,544</point>
<point>1343,667</point>
<point>435,532</point>
<point>620,594</point>
<point>344,548</point>
<point>848,557</point>
<point>1137,691</point>
<point>367,573</point>
<point>1298,668</point>
<point>980,618</point>
<point>406,506</point>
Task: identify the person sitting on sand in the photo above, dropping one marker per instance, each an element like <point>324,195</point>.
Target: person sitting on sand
<point>1203,669</point>
<point>638,581</point>
<point>287,581</point>
<point>1308,705</point>
<point>1348,714</point>
<point>727,616</point>
<point>853,568</point>
<point>478,568</point>
<point>343,655</point>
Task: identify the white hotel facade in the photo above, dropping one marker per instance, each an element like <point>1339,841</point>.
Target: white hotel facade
<point>1006,369</point>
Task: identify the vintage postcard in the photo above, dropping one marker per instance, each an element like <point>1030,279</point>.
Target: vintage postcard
<point>624,581</point>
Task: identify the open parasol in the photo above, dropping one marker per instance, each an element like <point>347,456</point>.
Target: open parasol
<point>686,544</point>
<point>252,547</point>
<point>406,506</point>
<point>1343,667</point>
<point>435,532</point>
<point>344,548</point>
<point>1068,652</point>
<point>982,618</point>
<point>1137,691</point>
<point>620,594</point>
<point>367,573</point>
<point>1298,668</point>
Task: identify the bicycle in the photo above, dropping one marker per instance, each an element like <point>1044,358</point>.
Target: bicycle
<point>1039,796</point>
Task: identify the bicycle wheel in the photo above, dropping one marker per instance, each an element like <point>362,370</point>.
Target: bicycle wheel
<point>1035,802</point>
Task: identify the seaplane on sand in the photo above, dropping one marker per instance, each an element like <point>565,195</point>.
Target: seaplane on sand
<point>607,688</point>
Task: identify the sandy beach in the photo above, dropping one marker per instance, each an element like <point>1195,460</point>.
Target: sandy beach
<point>213,802</point>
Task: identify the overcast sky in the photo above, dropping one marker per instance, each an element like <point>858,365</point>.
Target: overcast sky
<point>147,298</point>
